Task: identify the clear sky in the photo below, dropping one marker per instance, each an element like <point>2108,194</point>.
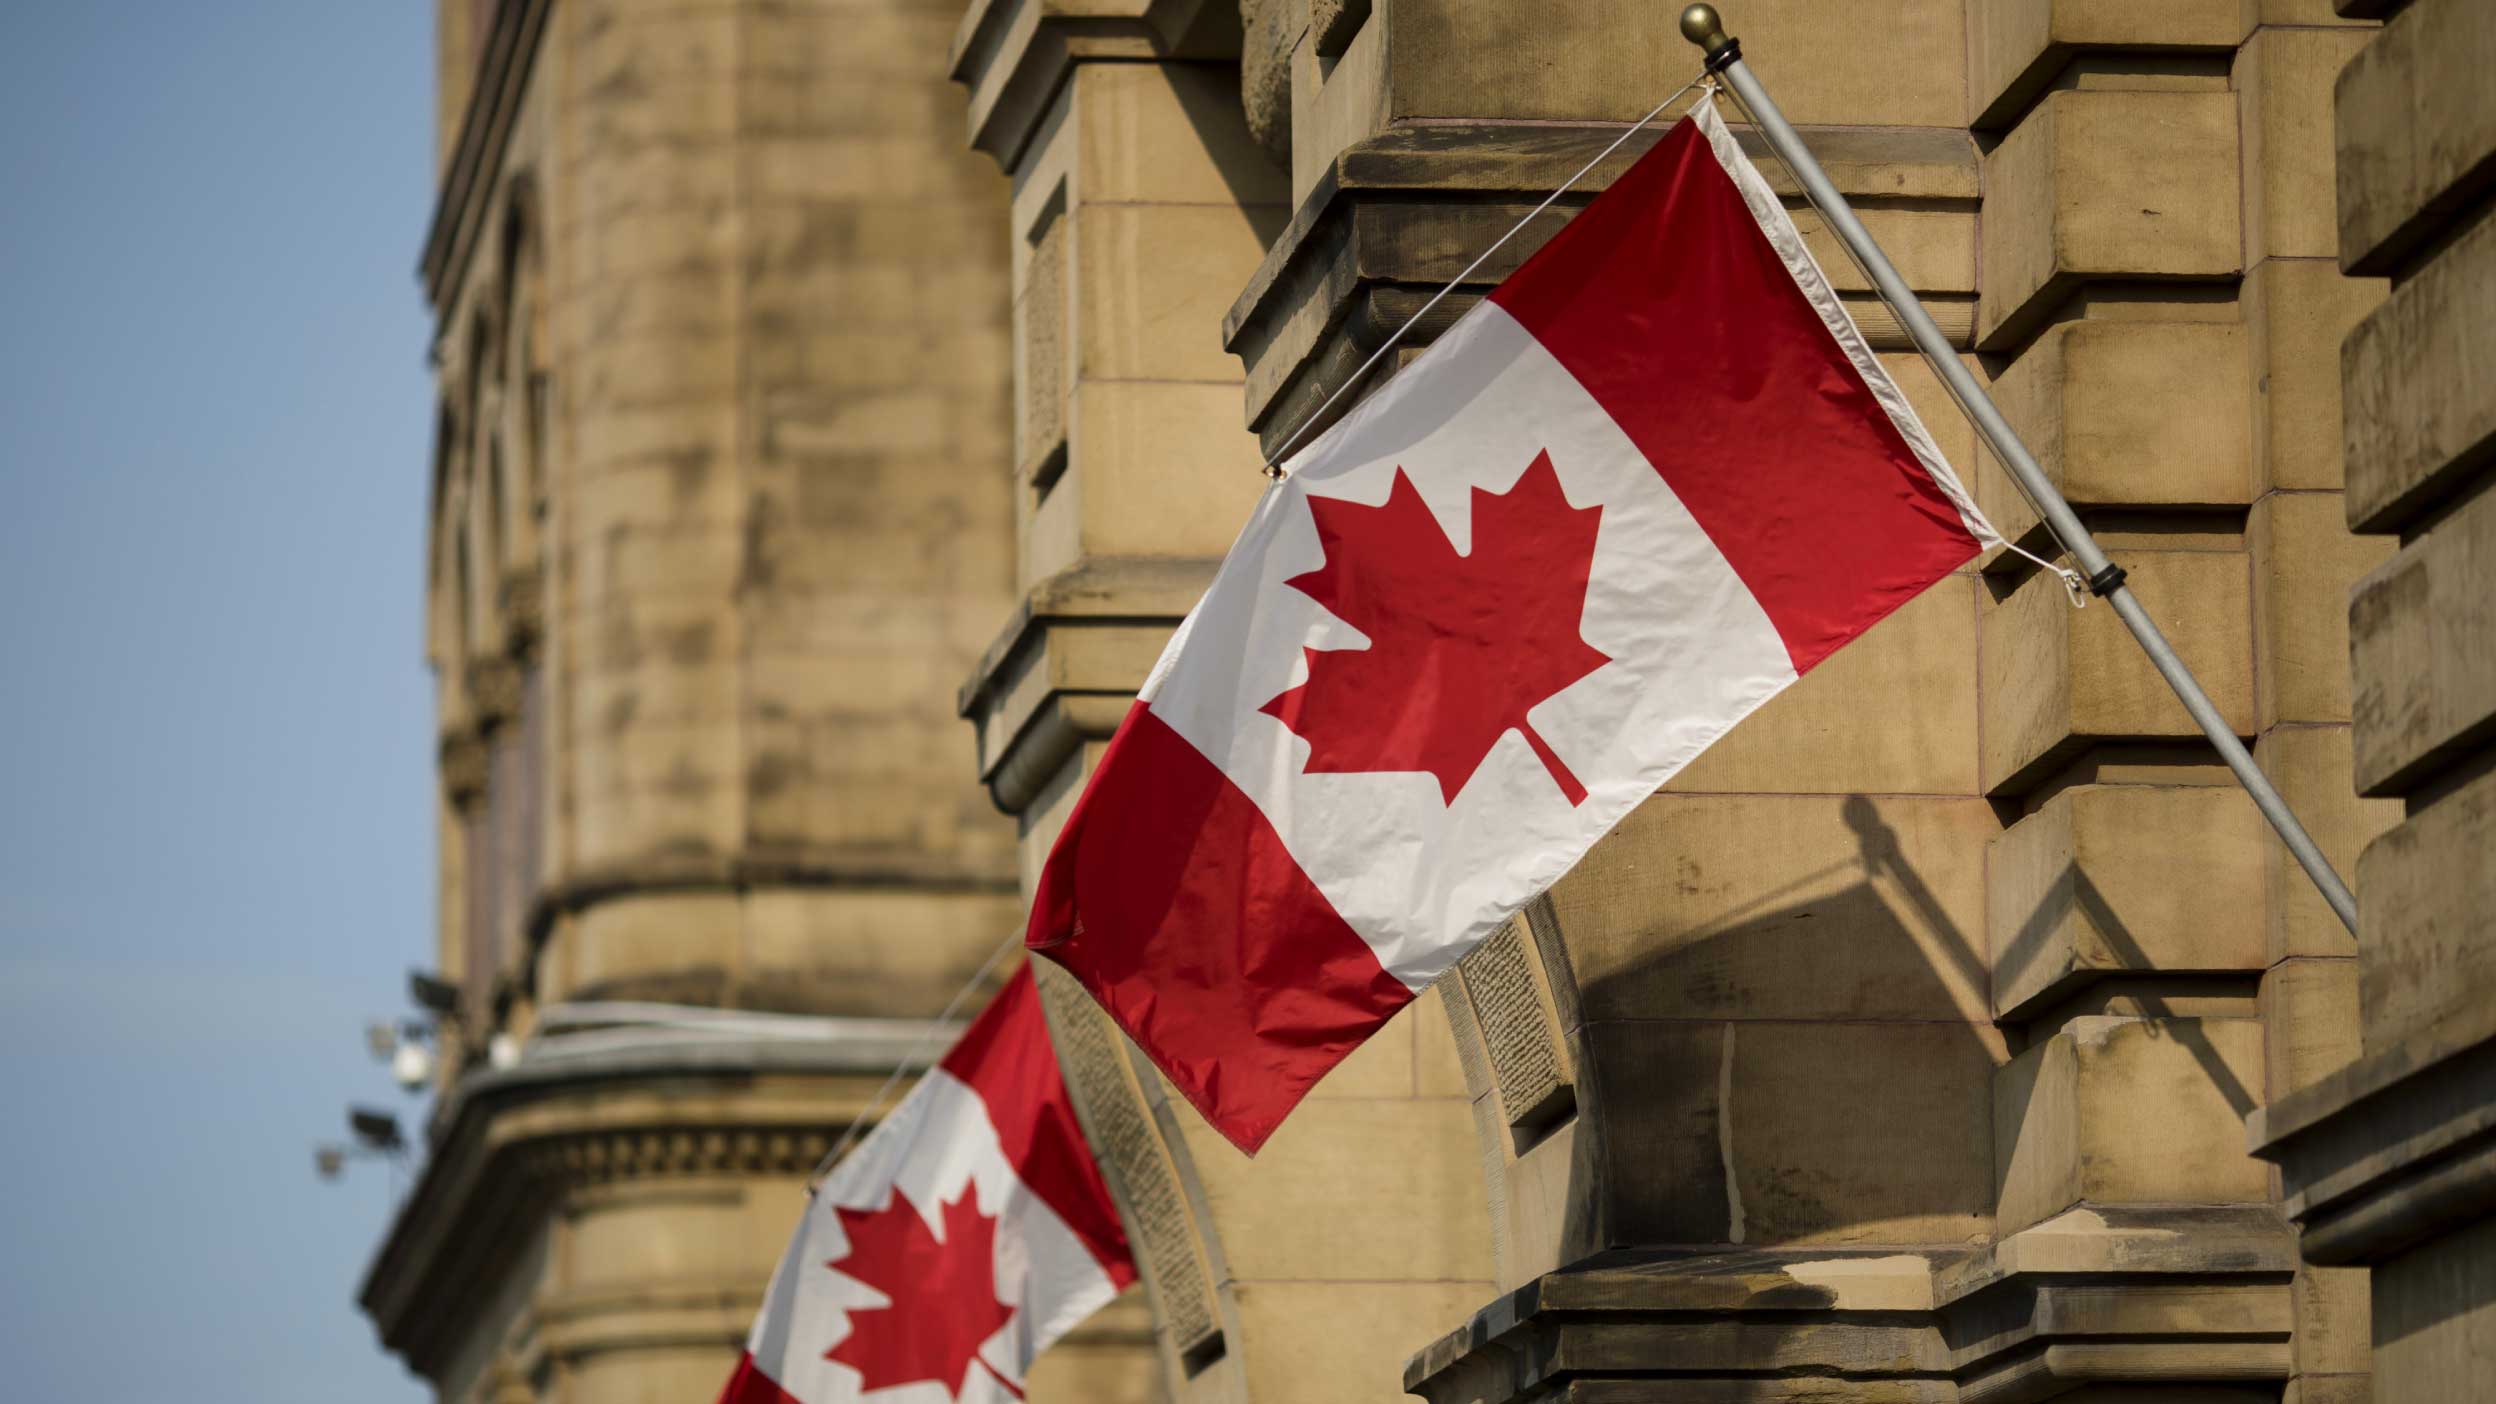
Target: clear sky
<point>215,831</point>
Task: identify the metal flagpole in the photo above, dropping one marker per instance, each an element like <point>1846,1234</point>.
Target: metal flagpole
<point>1701,26</point>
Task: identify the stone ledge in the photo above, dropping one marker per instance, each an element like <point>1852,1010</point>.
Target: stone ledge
<point>2417,418</point>
<point>2424,695</point>
<point>2404,175</point>
<point>510,1144</point>
<point>2133,187</point>
<point>1395,216</point>
<point>1067,664</point>
<point>2179,1295</point>
<point>2393,1148</point>
<point>1014,55</point>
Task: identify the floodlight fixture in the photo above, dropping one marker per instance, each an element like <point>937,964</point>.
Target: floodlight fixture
<point>433,993</point>
<point>375,1130</point>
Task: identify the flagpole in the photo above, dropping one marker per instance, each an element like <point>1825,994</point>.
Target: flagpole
<point>1701,26</point>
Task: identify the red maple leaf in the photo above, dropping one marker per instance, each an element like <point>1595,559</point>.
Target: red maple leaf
<point>942,1294</point>
<point>1459,645</point>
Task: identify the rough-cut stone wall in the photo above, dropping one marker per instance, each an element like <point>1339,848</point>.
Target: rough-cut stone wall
<point>2387,1162</point>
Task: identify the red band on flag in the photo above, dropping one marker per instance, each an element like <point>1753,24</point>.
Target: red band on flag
<point>751,1386</point>
<point>1173,900</point>
<point>1006,1058</point>
<point>1666,301</point>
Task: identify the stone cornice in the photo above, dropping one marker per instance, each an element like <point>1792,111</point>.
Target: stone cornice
<point>756,868</point>
<point>484,134</point>
<point>511,1142</point>
<point>1396,215</point>
<point>1067,664</point>
<point>2173,1295</point>
<point>1014,55</point>
<point>2392,1148</point>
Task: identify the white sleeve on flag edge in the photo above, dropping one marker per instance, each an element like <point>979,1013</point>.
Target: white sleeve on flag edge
<point>1787,240</point>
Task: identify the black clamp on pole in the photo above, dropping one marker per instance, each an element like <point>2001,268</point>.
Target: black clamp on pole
<point>2106,581</point>
<point>1701,26</point>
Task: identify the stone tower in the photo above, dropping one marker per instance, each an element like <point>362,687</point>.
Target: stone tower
<point>719,520</point>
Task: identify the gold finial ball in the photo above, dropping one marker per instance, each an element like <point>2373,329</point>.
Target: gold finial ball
<point>1700,25</point>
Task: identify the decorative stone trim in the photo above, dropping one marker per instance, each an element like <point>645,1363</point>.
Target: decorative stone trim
<point>640,1153</point>
<point>509,1147</point>
<point>2393,1149</point>
<point>1506,1010</point>
<point>2178,1296</point>
<point>1396,215</point>
<point>1139,1167</point>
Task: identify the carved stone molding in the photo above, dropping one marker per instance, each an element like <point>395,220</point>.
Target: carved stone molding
<point>1065,667</point>
<point>1014,55</point>
<point>2394,1148</point>
<point>1396,215</point>
<point>509,1147</point>
<point>1146,1174</point>
<point>2194,1297</point>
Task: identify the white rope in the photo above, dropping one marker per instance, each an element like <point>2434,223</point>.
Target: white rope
<point>1273,465</point>
<point>2074,584</point>
<point>918,1052</point>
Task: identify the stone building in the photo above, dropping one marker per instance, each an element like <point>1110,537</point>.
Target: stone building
<point>2389,1162</point>
<point>813,370</point>
<point>724,362</point>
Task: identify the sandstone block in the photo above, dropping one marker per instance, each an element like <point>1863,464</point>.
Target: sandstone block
<point>1346,1343</point>
<point>1778,907</point>
<point>2426,895</point>
<point>2309,1022</point>
<point>2018,47</point>
<point>2129,1111</point>
<point>1167,133</point>
<point>1166,470</point>
<point>1891,713</point>
<point>2298,310</point>
<point>1352,1189</point>
<point>2135,186</point>
<point>2419,632</point>
<point>1896,64</point>
<point>2304,561</point>
<point>2418,416</point>
<point>1773,1132</point>
<point>2133,878</point>
<point>2416,133</point>
<point>2126,413</point>
<point>2283,79</point>
<point>2057,680</point>
<point>2335,1317</point>
<point>863,952</point>
<point>2435,1317</point>
<point>649,941</point>
<point>1151,283</point>
<point>2310,765</point>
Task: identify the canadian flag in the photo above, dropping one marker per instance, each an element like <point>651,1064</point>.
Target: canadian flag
<point>1652,480</point>
<point>963,1235</point>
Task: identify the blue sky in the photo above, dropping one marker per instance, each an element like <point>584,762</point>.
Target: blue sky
<point>215,844</point>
